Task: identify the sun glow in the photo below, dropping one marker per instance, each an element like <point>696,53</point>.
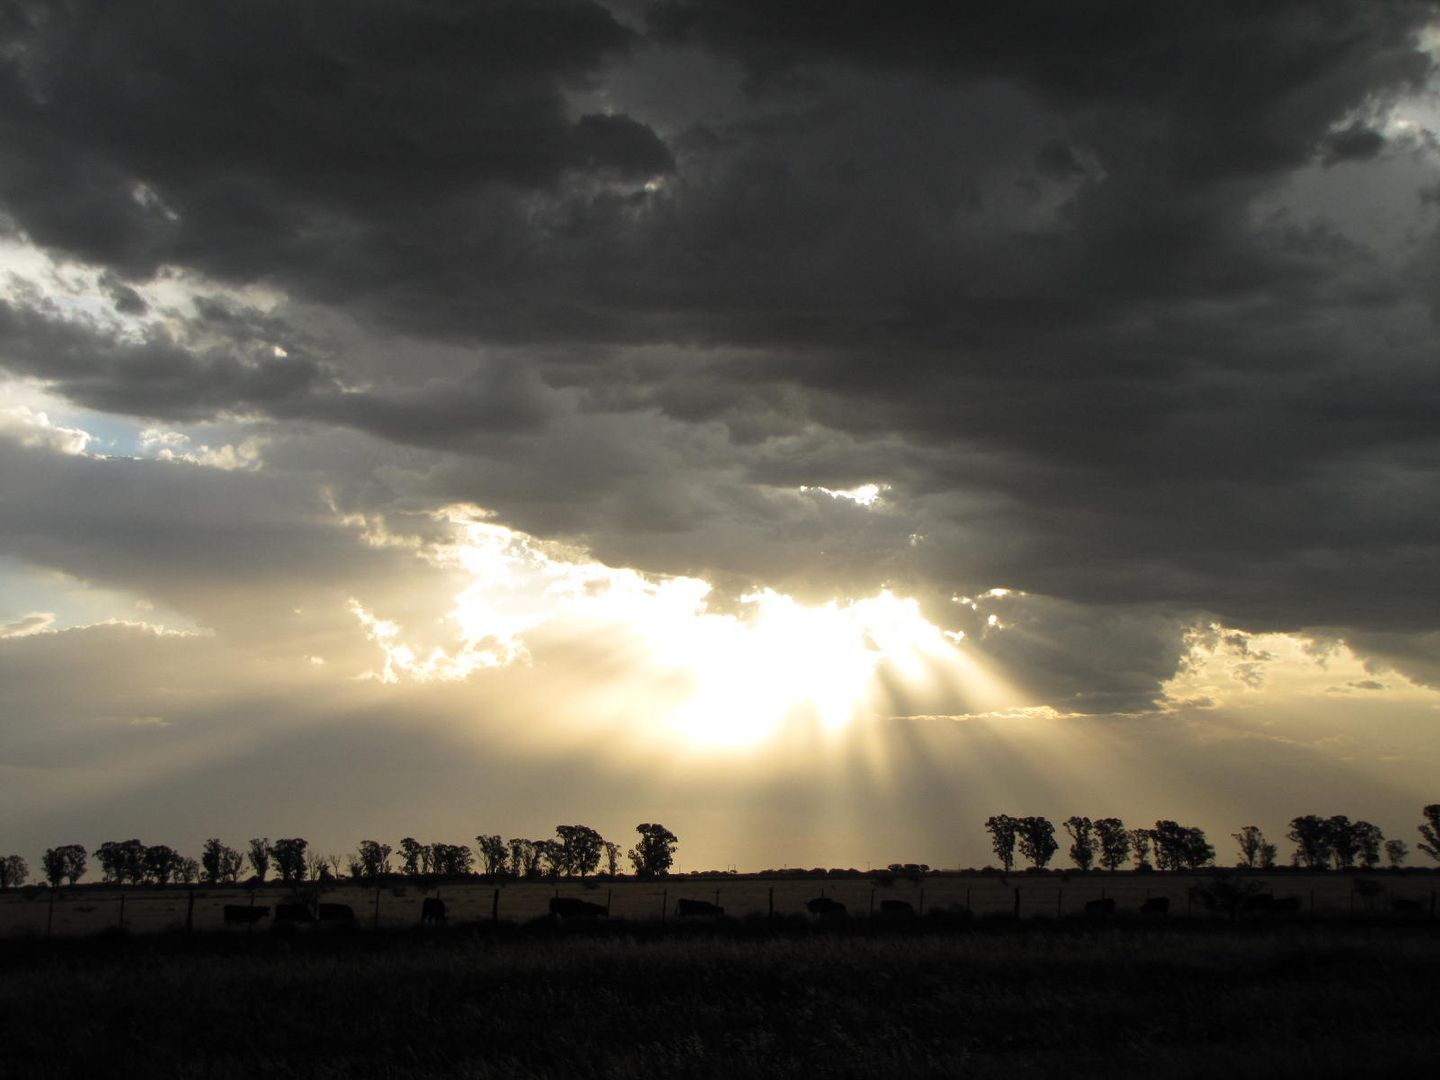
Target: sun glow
<point>741,669</point>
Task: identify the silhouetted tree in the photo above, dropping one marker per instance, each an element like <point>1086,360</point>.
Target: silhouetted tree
<point>1003,831</point>
<point>220,863</point>
<point>64,863</point>
<point>1114,841</point>
<point>1036,837</point>
<point>161,861</point>
<point>1251,840</point>
<point>1368,839</point>
<point>14,872</point>
<point>525,858</point>
<point>373,860</point>
<point>581,847</point>
<point>1142,840</point>
<point>289,856</point>
<point>1084,844</point>
<point>612,857</point>
<point>492,853</point>
<point>1268,852</point>
<point>1179,847</point>
<point>259,856</point>
<point>451,860</point>
<point>1396,853</point>
<point>1430,831</point>
<point>1311,835</point>
<point>414,857</point>
<point>551,855</point>
<point>187,872</point>
<point>316,866</point>
<point>122,861</point>
<point>1344,841</point>
<point>654,854</point>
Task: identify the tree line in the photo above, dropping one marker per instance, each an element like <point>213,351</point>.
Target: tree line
<point>1320,843</point>
<point>574,851</point>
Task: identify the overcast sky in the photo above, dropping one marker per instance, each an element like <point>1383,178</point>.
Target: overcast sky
<point>813,426</point>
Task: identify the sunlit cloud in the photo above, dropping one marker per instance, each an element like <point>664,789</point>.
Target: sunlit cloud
<point>864,495</point>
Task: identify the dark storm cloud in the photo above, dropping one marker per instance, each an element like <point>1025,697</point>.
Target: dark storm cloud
<point>1033,265</point>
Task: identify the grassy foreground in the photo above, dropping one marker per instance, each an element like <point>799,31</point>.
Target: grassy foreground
<point>1203,1001</point>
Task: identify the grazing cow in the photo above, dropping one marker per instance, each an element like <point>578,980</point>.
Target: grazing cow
<point>337,914</point>
<point>288,914</point>
<point>432,911</point>
<point>825,908</point>
<point>240,915</point>
<point>685,909</point>
<point>896,909</point>
<point>1156,905</point>
<point>1402,906</point>
<point>1101,907</point>
<point>568,907</point>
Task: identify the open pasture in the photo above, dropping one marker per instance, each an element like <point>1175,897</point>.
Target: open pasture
<point>91,909</point>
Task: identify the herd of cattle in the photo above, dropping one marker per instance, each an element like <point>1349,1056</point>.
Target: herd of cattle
<point>433,913</point>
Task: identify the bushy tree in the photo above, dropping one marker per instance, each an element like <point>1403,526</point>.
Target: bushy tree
<point>1343,839</point>
<point>654,853</point>
<point>1396,852</point>
<point>1430,831</point>
<point>414,857</point>
<point>551,855</point>
<point>1311,835</point>
<point>493,852</point>
<point>289,856</point>
<point>188,870</point>
<point>373,860</point>
<point>1114,841</point>
<point>14,872</point>
<point>1083,842</point>
<point>317,867</point>
<point>451,860</point>
<point>1003,831</point>
<point>1142,840</point>
<point>220,863</point>
<point>1036,837</point>
<point>580,846</point>
<point>1180,847</point>
<point>1368,839</point>
<point>63,863</point>
<point>1268,853</point>
<point>161,861</point>
<point>258,854</point>
<point>1251,840</point>
<point>122,861</point>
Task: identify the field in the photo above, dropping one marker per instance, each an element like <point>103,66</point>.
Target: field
<point>92,908</point>
<point>755,998</point>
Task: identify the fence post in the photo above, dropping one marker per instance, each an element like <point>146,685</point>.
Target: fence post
<point>1017,903</point>
<point>495,907</point>
<point>664,903</point>
<point>190,914</point>
<point>872,903</point>
<point>1059,902</point>
<point>122,911</point>
<point>376,920</point>
<point>922,899</point>
<point>770,912</point>
<point>968,908</point>
<point>50,916</point>
<point>609,899</point>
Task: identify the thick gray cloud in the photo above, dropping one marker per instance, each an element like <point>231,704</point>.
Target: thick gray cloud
<point>1065,277</point>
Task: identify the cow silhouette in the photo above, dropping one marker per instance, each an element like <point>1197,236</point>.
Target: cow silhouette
<point>693,908</point>
<point>1260,901</point>
<point>432,911</point>
<point>1100,908</point>
<point>293,914</point>
<point>1401,906</point>
<point>241,915</point>
<point>825,908</point>
<point>897,909</point>
<point>336,914</point>
<point>568,907</point>
<point>1156,905</point>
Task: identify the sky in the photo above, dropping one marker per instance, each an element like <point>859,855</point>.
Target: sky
<point>813,427</point>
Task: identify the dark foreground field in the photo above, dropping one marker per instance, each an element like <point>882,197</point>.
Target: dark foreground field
<point>1200,1000</point>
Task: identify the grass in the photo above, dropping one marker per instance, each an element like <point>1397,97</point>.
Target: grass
<point>735,1000</point>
